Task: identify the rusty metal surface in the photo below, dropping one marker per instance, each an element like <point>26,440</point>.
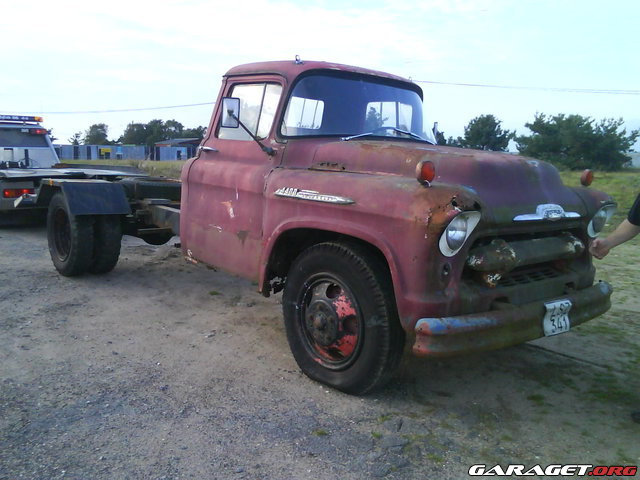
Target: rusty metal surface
<point>391,210</point>
<point>448,336</point>
<point>233,218</point>
<point>165,216</point>
<point>404,219</point>
<point>501,256</point>
<point>291,70</point>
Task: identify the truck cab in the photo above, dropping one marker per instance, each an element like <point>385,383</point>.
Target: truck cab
<point>320,179</point>
<point>24,143</point>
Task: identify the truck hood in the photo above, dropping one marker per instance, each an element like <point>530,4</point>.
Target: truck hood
<point>504,185</point>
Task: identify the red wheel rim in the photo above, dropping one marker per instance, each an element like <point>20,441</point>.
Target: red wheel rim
<point>332,322</point>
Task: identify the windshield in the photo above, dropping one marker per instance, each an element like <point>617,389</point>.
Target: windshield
<point>324,104</point>
<point>19,148</point>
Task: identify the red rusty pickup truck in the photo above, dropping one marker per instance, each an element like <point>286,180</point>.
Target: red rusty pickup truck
<point>318,179</point>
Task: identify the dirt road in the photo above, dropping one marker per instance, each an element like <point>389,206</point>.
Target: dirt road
<point>166,370</point>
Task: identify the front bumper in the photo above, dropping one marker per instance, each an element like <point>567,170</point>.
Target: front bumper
<point>512,325</point>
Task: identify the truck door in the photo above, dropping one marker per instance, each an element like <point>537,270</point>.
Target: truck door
<point>222,220</point>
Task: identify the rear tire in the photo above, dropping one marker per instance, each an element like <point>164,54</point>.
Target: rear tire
<point>106,244</point>
<point>70,238</point>
<point>341,319</point>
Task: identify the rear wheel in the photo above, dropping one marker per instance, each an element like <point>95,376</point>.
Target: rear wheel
<point>341,319</point>
<point>70,238</point>
<point>106,244</point>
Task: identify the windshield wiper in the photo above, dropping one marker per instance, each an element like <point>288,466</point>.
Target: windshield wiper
<point>374,133</point>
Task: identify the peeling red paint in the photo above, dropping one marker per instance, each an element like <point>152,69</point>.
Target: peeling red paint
<point>400,219</point>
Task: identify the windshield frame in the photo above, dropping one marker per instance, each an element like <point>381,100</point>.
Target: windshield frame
<point>406,87</point>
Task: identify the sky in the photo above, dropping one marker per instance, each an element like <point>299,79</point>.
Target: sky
<point>509,58</point>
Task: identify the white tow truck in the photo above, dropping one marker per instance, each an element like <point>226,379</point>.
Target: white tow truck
<point>27,157</point>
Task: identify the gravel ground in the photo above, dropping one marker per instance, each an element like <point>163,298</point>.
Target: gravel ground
<point>166,370</point>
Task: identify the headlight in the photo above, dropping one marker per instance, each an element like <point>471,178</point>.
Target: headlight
<point>599,220</point>
<point>457,232</point>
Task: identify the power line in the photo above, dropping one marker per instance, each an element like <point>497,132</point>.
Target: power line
<point>120,110</point>
<point>542,89</point>
<point>432,82</point>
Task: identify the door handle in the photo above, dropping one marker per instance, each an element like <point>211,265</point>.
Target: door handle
<point>207,149</point>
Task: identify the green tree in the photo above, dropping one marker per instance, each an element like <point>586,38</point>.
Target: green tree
<point>96,135</point>
<point>454,142</point>
<point>440,138</point>
<point>485,133</point>
<point>197,132</point>
<point>75,139</point>
<point>134,134</point>
<point>374,120</point>
<point>156,131</point>
<point>173,129</point>
<point>576,142</point>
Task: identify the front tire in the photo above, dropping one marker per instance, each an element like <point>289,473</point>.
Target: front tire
<point>70,238</point>
<point>341,319</point>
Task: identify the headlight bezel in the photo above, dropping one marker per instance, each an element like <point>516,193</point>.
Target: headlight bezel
<point>600,219</point>
<point>457,232</point>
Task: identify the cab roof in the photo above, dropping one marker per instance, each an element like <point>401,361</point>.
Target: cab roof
<point>292,69</point>
<point>20,119</point>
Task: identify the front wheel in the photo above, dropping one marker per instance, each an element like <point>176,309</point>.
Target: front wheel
<point>340,317</point>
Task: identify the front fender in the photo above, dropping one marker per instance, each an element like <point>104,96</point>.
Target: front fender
<point>348,229</point>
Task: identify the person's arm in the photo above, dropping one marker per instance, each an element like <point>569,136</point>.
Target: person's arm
<point>600,247</point>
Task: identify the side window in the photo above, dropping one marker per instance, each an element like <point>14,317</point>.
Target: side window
<point>258,105</point>
<point>388,114</point>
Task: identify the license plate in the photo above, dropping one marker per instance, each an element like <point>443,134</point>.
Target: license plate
<point>556,320</point>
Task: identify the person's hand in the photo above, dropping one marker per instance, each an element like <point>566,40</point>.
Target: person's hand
<point>599,248</point>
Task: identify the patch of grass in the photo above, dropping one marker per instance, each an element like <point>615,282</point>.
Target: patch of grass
<point>435,458</point>
<point>623,186</point>
<point>607,388</point>
<point>384,417</point>
<point>320,432</point>
<point>446,425</point>
<point>376,435</point>
<point>214,292</point>
<point>549,376</point>
<point>624,458</point>
<point>537,398</point>
<point>415,437</point>
<point>609,327</point>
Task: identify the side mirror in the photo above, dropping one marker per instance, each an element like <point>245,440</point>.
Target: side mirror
<point>230,112</point>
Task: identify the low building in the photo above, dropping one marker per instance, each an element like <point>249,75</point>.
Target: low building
<point>102,152</point>
<point>176,148</point>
